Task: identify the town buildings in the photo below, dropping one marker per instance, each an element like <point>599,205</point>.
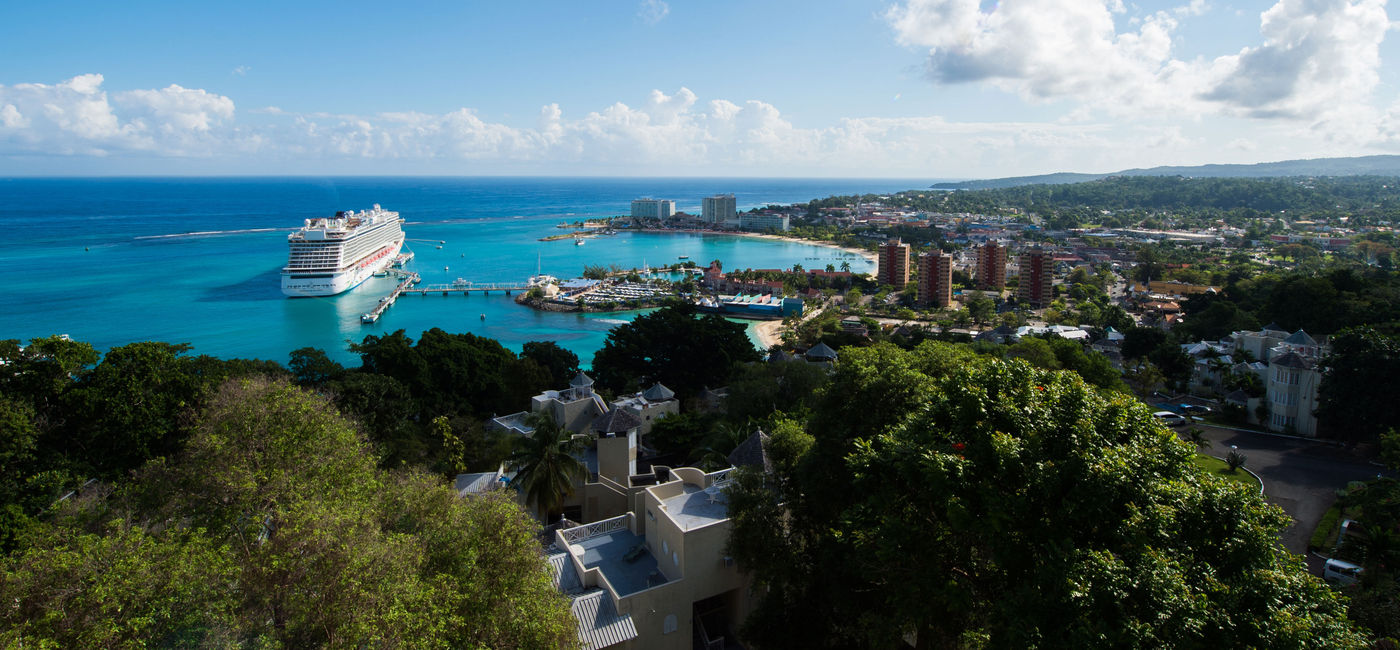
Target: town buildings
<point>1036,278</point>
<point>1291,378</point>
<point>893,264</point>
<point>935,277</point>
<point>991,266</point>
<point>718,210</point>
<point>653,208</point>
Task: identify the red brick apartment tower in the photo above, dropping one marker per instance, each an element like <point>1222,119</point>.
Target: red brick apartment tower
<point>894,264</point>
<point>935,279</point>
<point>991,266</point>
<point>1037,272</point>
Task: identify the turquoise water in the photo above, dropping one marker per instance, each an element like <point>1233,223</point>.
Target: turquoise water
<point>111,261</point>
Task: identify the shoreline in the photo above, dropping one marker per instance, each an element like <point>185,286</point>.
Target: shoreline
<point>868,256</point>
<point>769,333</point>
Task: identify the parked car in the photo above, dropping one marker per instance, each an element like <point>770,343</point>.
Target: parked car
<point>1341,572</point>
<point>1192,409</point>
<point>1170,419</point>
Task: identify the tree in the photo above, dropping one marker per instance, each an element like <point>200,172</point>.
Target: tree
<point>999,505</point>
<point>981,309</point>
<point>561,364</point>
<point>273,528</point>
<point>674,347</point>
<point>545,464</point>
<point>1353,398</point>
<point>311,367</point>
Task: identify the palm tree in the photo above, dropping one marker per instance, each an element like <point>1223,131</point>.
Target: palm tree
<point>545,465</point>
<point>846,266</point>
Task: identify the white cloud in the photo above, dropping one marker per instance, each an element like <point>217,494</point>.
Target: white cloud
<point>653,11</point>
<point>1316,54</point>
<point>662,133</point>
<point>1318,60</point>
<point>241,70</point>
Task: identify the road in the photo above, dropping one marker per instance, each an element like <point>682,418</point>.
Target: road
<point>1300,476</point>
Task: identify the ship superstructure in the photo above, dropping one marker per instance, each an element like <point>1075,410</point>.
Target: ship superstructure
<point>335,254</point>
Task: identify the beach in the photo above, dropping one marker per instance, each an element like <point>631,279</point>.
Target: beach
<point>769,333</point>
<point>868,256</point>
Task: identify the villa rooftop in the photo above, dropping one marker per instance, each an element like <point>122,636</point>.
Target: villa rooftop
<point>607,553</point>
<point>697,507</point>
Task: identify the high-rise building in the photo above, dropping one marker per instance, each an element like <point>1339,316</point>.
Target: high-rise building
<point>653,208</point>
<point>935,279</point>
<point>991,266</point>
<point>1037,274</point>
<point>718,209</point>
<point>893,264</point>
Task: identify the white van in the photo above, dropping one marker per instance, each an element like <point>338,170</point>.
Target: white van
<point>1341,573</point>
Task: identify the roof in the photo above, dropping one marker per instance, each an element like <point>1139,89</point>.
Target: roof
<point>821,351</point>
<point>581,380</point>
<point>616,421</point>
<point>752,452</point>
<point>658,393</point>
<point>1273,327</point>
<point>1238,397</point>
<point>476,483</point>
<point>1291,360</point>
<point>599,623</point>
<point>1300,338</point>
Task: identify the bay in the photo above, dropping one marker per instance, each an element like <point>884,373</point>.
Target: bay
<point>110,261</point>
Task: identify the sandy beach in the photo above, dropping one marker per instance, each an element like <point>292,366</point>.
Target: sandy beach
<point>769,333</point>
<point>868,255</point>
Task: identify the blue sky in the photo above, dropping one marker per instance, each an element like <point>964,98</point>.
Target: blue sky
<point>915,88</point>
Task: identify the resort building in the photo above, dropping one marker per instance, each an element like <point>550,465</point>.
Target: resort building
<point>893,264</point>
<point>991,266</point>
<point>935,279</point>
<point>1037,275</point>
<point>655,575</point>
<point>1291,376</point>
<point>718,210</point>
<point>653,208</point>
<point>760,221</point>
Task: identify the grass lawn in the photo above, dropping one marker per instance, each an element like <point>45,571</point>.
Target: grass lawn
<point>1219,468</point>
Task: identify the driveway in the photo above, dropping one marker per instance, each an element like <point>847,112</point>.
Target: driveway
<point>1300,476</point>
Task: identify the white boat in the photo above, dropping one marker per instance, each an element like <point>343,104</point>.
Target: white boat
<point>578,241</point>
<point>334,255</point>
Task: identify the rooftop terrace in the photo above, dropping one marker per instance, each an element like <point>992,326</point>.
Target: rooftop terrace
<point>697,507</point>
<point>608,553</point>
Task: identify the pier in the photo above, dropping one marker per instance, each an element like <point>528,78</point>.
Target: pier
<point>406,284</point>
<point>466,288</point>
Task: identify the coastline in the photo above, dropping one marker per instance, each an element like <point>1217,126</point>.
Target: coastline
<point>869,256</point>
<point>769,333</point>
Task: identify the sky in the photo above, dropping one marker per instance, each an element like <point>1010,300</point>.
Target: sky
<point>937,89</point>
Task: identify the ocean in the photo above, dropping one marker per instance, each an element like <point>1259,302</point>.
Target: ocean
<point>196,260</point>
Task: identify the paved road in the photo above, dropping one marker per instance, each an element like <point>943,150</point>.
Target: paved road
<point>1300,476</point>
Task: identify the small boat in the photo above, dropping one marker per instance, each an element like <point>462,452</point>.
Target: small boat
<point>483,317</point>
<point>445,268</point>
<point>439,248</point>
<point>685,257</point>
<point>578,241</point>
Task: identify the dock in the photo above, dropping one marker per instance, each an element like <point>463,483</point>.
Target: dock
<point>466,288</point>
<point>406,284</point>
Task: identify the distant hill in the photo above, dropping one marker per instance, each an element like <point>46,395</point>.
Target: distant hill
<point>1358,166</point>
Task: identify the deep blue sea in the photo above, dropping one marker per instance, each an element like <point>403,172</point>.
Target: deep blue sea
<point>112,261</point>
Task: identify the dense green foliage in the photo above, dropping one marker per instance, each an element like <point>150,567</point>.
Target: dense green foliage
<point>273,528</point>
<point>675,347</point>
<point>981,503</point>
<point>1358,383</point>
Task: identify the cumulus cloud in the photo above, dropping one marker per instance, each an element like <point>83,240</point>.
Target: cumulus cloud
<point>76,116</point>
<point>1315,56</point>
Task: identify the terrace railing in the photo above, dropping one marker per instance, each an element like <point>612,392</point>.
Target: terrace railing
<point>589,531</point>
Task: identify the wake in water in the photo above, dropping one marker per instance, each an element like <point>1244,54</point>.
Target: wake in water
<point>213,233</point>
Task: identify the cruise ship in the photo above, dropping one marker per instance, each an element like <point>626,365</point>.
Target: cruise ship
<point>334,255</point>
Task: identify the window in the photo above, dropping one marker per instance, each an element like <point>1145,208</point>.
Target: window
<point>675,559</point>
<point>669,625</point>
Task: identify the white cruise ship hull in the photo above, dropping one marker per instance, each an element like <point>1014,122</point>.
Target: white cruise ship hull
<point>305,285</point>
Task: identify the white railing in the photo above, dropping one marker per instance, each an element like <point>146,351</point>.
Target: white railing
<point>721,476</point>
<point>588,531</point>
